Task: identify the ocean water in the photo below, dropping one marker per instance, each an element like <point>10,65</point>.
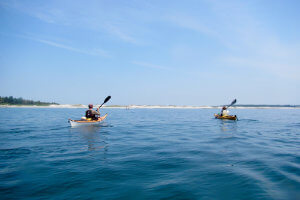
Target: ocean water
<point>150,154</point>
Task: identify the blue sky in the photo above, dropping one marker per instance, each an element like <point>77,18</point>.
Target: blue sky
<point>202,52</point>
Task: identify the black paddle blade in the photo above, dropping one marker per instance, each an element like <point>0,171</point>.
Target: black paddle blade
<point>106,99</point>
<point>233,102</point>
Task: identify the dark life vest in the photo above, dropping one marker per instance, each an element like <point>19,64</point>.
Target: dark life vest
<point>89,114</point>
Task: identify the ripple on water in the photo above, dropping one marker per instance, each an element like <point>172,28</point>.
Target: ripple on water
<point>14,153</point>
<point>150,154</point>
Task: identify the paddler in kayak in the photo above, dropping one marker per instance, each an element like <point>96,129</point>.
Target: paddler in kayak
<point>90,114</point>
<point>224,111</point>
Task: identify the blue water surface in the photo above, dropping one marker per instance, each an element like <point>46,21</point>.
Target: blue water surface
<point>150,154</point>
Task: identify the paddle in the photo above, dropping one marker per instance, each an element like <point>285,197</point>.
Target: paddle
<point>233,102</point>
<point>106,100</point>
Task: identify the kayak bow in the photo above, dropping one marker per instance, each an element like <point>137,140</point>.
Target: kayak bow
<point>87,122</point>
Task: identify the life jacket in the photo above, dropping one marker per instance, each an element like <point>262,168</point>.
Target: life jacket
<point>225,113</point>
<point>89,114</point>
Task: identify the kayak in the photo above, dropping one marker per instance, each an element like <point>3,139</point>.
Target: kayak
<point>87,122</point>
<point>231,117</point>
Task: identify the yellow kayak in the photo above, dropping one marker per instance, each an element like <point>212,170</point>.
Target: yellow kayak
<point>231,117</point>
<point>87,122</point>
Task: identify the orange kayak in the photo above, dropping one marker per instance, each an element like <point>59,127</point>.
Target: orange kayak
<point>87,122</point>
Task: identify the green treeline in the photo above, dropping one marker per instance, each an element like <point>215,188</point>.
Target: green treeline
<point>20,101</point>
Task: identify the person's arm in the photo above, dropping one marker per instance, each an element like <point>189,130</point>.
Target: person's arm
<point>96,112</point>
<point>222,111</point>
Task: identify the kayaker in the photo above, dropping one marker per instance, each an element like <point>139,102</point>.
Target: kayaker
<point>224,111</point>
<point>91,114</point>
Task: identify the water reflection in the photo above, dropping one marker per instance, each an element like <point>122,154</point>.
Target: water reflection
<point>93,137</point>
<point>228,126</point>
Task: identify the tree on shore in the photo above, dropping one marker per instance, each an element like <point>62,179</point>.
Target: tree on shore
<point>20,101</point>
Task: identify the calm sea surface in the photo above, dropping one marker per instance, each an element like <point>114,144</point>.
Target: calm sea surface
<point>150,154</point>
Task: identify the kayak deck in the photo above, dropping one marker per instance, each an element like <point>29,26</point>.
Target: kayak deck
<point>230,117</point>
<point>87,122</point>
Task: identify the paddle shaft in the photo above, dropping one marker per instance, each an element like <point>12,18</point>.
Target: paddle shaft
<point>106,100</point>
<point>233,102</point>
<point>100,105</point>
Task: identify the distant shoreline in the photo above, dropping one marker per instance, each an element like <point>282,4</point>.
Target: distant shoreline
<point>155,107</point>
